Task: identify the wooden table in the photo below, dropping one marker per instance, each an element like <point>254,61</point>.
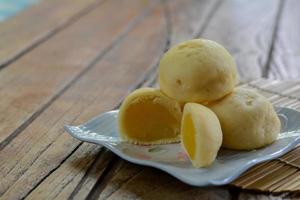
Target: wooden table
<point>66,61</point>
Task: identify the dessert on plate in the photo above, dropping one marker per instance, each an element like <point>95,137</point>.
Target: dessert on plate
<point>198,77</point>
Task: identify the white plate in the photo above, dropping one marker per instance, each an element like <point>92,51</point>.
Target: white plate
<point>171,158</point>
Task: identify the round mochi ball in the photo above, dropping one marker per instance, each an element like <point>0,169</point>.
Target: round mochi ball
<point>248,120</point>
<point>197,70</point>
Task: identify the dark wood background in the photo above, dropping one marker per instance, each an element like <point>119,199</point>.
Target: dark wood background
<point>66,61</point>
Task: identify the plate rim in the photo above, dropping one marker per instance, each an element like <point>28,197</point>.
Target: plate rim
<point>149,163</point>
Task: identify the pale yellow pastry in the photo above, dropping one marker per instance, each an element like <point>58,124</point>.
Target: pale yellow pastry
<point>201,134</point>
<point>197,70</point>
<point>147,116</point>
<point>248,120</point>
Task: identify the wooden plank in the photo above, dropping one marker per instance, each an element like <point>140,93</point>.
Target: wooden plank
<point>42,156</point>
<point>285,58</point>
<point>36,24</point>
<point>133,180</point>
<point>155,184</point>
<point>123,174</point>
<point>74,171</point>
<point>245,28</point>
<point>189,18</point>
<point>85,190</point>
<point>30,84</point>
<point>251,196</point>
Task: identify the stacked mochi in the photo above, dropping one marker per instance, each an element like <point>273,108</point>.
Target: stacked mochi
<point>198,104</point>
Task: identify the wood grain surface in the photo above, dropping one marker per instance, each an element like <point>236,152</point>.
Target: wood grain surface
<point>39,77</point>
<point>37,24</point>
<point>44,146</point>
<point>84,57</point>
<point>285,60</point>
<point>245,28</point>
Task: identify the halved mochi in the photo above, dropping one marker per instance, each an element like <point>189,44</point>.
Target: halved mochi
<point>147,116</point>
<point>201,134</point>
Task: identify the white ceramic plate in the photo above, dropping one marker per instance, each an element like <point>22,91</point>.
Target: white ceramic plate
<point>171,158</point>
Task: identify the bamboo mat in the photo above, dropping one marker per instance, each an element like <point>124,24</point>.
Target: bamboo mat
<point>282,174</point>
